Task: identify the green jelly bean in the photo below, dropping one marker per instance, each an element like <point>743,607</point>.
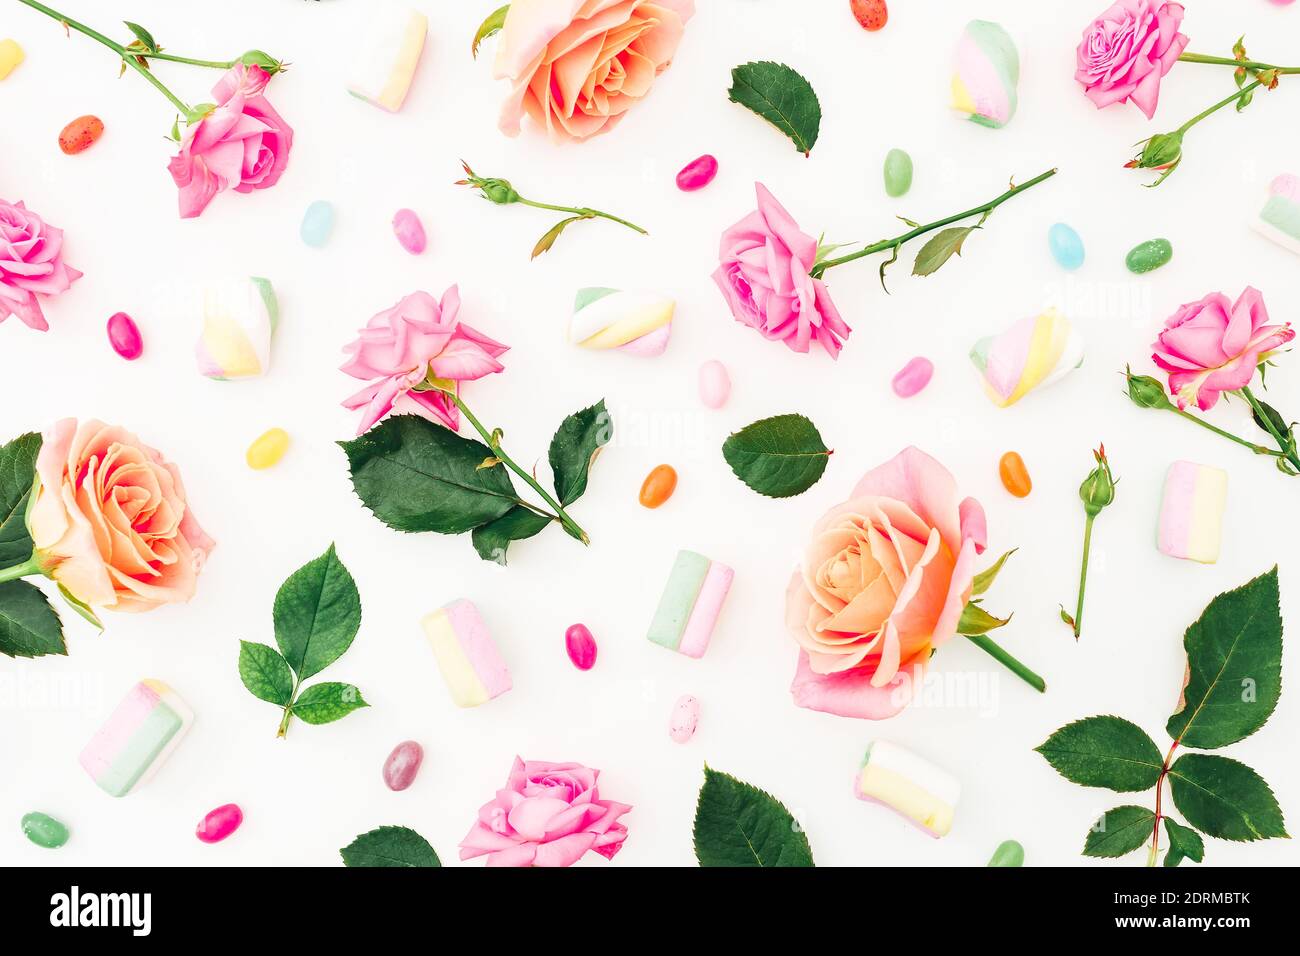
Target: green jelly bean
<point>1008,853</point>
<point>1149,255</point>
<point>43,830</point>
<point>898,172</point>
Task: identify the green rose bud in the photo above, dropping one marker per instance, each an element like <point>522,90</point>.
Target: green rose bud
<point>498,191</point>
<point>1098,489</point>
<point>1162,151</point>
<point>1145,391</point>
<point>267,62</point>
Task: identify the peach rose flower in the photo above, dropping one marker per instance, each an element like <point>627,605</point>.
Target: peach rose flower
<point>576,66</point>
<point>883,583</point>
<point>110,522</point>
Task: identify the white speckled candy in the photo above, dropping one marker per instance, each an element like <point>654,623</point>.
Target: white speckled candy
<point>239,322</point>
<point>685,718</point>
<point>636,322</point>
<point>1279,220</point>
<point>986,75</point>
<point>715,384</point>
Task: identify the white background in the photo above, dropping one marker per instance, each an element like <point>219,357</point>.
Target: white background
<point>306,796</point>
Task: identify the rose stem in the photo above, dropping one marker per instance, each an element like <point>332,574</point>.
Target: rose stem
<point>584,212</point>
<point>1083,574</point>
<point>1160,787</point>
<point>820,268</point>
<point>1269,427</point>
<point>1257,449</point>
<point>30,566</point>
<point>1248,88</point>
<point>127,58</point>
<point>569,524</point>
<point>1241,64</point>
<point>994,650</point>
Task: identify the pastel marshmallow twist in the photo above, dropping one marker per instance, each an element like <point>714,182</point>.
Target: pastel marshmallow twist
<point>1279,220</point>
<point>986,74</point>
<point>639,323</point>
<point>137,738</point>
<point>469,660</point>
<point>691,601</point>
<point>1031,354</point>
<point>239,322</point>
<point>909,785</point>
<point>388,55</point>
<point>1191,512</point>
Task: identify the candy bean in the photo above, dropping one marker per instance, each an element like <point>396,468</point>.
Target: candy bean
<point>1014,475</point>
<point>268,449</point>
<point>697,174</point>
<point>402,765</point>
<point>581,646</point>
<point>685,718</point>
<point>658,486</point>
<point>11,54</point>
<point>219,823</point>
<point>872,14</point>
<point>317,223</point>
<point>1008,853</point>
<point>124,336</point>
<point>45,831</point>
<point>898,172</point>
<point>913,377</point>
<point>80,134</point>
<point>1066,246</point>
<point>1149,255</point>
<point>409,231</point>
<point>715,384</point>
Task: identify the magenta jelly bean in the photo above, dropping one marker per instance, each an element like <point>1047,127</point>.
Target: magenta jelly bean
<point>219,823</point>
<point>697,174</point>
<point>409,231</point>
<point>913,377</point>
<point>124,336</point>
<point>402,765</point>
<point>581,647</point>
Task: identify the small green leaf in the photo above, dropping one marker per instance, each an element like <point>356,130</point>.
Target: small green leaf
<point>782,97</point>
<point>1105,752</point>
<point>489,27</point>
<point>975,620</point>
<point>984,580</point>
<point>737,824</point>
<point>1234,658</point>
<point>390,846</point>
<point>1008,853</point>
<point>548,239</point>
<point>82,609</point>
<point>1224,798</point>
<point>327,702</point>
<point>414,475</point>
<point>317,614</point>
<point>265,673</point>
<point>1184,843</point>
<point>574,448</point>
<point>17,473</point>
<point>144,36</point>
<point>1119,831</point>
<point>493,539</point>
<point>940,248</point>
<point>29,627</point>
<point>1066,616</point>
<point>777,457</point>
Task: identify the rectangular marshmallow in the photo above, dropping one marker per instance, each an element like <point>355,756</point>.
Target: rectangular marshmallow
<point>388,55</point>
<point>910,785</point>
<point>1191,513</point>
<point>133,743</point>
<point>689,606</point>
<point>466,654</point>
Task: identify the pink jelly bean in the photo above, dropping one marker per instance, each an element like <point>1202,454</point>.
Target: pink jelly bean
<point>685,718</point>
<point>409,231</point>
<point>581,647</point>
<point>124,336</point>
<point>913,377</point>
<point>219,823</point>
<point>402,765</point>
<point>697,174</point>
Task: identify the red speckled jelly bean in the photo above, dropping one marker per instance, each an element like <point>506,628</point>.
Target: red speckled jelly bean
<point>581,646</point>
<point>124,336</point>
<point>219,823</point>
<point>80,134</point>
<point>872,14</point>
<point>402,765</point>
<point>697,174</point>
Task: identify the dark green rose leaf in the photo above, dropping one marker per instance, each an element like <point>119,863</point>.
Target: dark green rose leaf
<point>778,457</point>
<point>737,824</point>
<point>493,539</point>
<point>327,702</point>
<point>265,673</point>
<point>1184,843</point>
<point>317,614</point>
<point>1105,752</point>
<point>29,627</point>
<point>782,97</point>
<point>17,472</point>
<point>1224,798</point>
<point>1119,831</point>
<point>577,441</point>
<point>390,846</point>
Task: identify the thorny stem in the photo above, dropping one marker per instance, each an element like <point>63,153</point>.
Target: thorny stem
<point>1153,854</point>
<point>1248,88</point>
<point>1083,574</point>
<point>1228,61</point>
<point>1257,449</point>
<point>1282,443</point>
<point>583,211</point>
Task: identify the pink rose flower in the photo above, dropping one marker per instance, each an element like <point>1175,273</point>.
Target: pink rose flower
<point>763,272</point>
<point>1215,345</point>
<point>31,264</point>
<point>883,583</point>
<point>547,814</point>
<point>400,347</point>
<point>577,66</point>
<point>110,521</point>
<point>242,143</point>
<point>1127,50</point>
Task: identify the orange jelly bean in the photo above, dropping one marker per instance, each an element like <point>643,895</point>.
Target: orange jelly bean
<point>1015,477</point>
<point>658,486</point>
<point>80,134</point>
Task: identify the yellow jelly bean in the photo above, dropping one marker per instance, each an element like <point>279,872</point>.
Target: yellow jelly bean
<point>11,54</point>
<point>268,449</point>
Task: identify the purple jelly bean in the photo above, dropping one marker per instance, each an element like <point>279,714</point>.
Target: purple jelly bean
<point>913,377</point>
<point>402,765</point>
<point>581,647</point>
<point>697,174</point>
<point>409,231</point>
<point>124,336</point>
<point>219,823</point>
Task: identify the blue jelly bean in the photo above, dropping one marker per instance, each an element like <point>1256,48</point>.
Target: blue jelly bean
<point>1066,246</point>
<point>317,223</point>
